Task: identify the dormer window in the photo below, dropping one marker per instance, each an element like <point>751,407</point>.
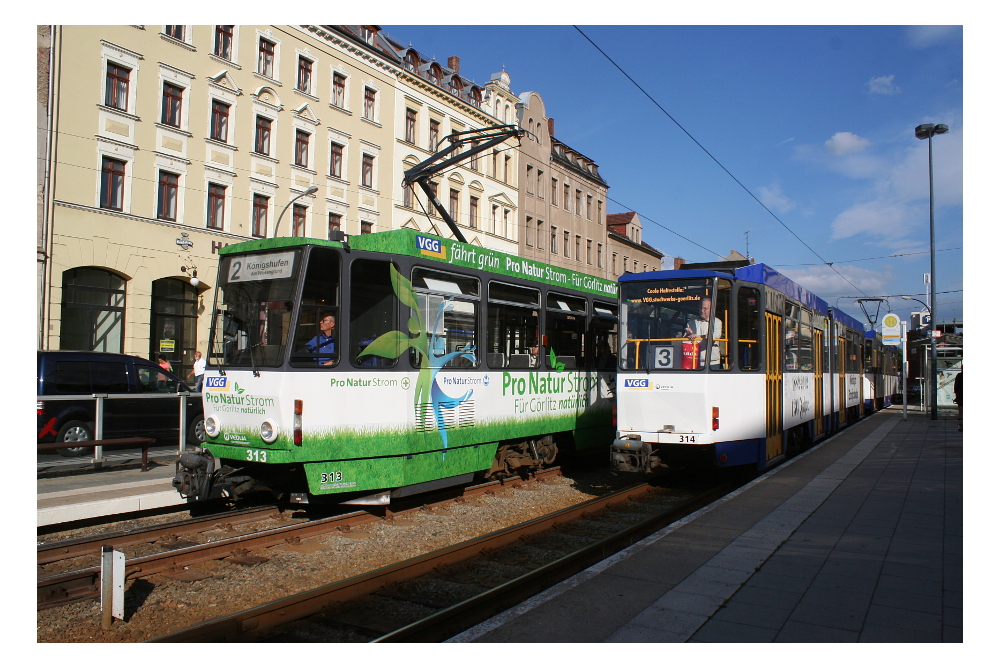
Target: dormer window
<point>475,97</point>
<point>454,86</point>
<point>368,35</point>
<point>412,62</point>
<point>435,75</point>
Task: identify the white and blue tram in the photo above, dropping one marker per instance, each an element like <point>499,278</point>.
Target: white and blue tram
<point>395,363</point>
<point>730,365</point>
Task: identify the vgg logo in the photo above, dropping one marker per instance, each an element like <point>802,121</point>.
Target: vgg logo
<point>637,384</point>
<point>430,247</point>
<point>217,382</point>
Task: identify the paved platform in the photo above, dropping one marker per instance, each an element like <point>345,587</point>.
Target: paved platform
<point>857,540</point>
<point>98,493</point>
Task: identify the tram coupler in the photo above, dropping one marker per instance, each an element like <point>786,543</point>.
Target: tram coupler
<point>631,454</point>
<point>197,479</point>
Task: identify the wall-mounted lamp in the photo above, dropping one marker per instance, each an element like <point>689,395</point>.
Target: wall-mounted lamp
<point>194,274</point>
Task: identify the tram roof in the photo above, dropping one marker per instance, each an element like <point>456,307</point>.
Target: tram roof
<point>844,318</point>
<point>449,252</point>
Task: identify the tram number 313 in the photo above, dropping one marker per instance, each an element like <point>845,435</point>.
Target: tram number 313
<point>256,455</point>
<point>331,477</point>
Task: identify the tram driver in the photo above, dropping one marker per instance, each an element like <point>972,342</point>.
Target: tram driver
<point>324,342</point>
<point>697,328</point>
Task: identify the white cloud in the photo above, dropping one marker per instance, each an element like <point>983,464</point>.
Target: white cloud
<point>922,36</point>
<point>845,143</point>
<point>880,217</point>
<point>883,85</point>
<point>824,282</point>
<point>773,198</point>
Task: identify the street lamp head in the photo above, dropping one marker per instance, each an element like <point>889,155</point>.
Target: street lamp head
<point>313,188</point>
<point>928,130</point>
<point>908,298</point>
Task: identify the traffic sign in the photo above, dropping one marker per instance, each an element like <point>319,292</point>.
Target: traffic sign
<point>936,333</point>
<point>891,329</point>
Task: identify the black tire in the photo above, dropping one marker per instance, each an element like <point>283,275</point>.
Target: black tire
<point>75,431</point>
<point>196,432</point>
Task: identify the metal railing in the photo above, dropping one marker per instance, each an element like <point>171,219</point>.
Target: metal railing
<point>98,458</point>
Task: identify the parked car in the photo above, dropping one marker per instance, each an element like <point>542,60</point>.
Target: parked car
<point>63,372</point>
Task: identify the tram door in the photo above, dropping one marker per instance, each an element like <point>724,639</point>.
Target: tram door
<point>842,379</point>
<point>820,360</point>
<point>774,376</point>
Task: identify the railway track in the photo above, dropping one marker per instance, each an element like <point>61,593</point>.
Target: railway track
<point>459,586</point>
<point>178,553</point>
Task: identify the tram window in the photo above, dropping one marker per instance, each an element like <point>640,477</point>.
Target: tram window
<point>660,322</point>
<point>805,347</point>
<point>721,358</point>
<point>791,342</point>
<point>252,326</point>
<point>373,312</point>
<point>748,328</point>
<point>317,336</point>
<point>868,355</point>
<point>565,327</point>
<point>603,337</point>
<point>512,326</point>
<point>449,311</point>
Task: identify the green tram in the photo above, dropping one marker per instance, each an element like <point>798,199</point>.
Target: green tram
<point>395,363</point>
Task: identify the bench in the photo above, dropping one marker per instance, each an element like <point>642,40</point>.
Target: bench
<point>145,443</point>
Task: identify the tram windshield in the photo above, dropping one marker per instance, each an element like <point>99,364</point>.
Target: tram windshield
<point>667,325</point>
<point>254,309</point>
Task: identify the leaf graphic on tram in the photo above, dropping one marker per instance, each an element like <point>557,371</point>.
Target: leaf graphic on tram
<point>558,366</point>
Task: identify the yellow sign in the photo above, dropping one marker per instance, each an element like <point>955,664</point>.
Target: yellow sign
<point>166,345</point>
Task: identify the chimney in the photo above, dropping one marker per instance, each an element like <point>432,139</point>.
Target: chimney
<point>552,127</point>
<point>453,64</point>
<point>679,263</point>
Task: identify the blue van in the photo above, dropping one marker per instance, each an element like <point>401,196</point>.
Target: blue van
<point>64,372</point>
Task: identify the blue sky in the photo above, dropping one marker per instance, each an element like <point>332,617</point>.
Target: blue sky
<point>816,121</point>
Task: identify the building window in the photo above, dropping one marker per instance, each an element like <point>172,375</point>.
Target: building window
<point>262,137</point>
<point>493,218</point>
<point>474,160</point>
<point>367,170</point>
<point>301,148</point>
<point>112,184</point>
<point>166,206</point>
<point>555,185</point>
<point>224,41</point>
<point>600,208</point>
<point>590,204</point>
<point>298,220</point>
<point>495,173</point>
<point>410,132</point>
<point>578,244</point>
<point>265,58</point>
<point>600,255</point>
<point>304,80</point>
<point>614,262</point>
<point>216,205</point>
<point>530,180</point>
<point>260,215</point>
<point>116,87</point>
<point>453,204</point>
<point>473,211</point>
<point>339,89</point>
<point>366,227</point>
<point>565,244</point>
<point>552,242</point>
<point>335,222</point>
<point>506,169</point>
<point>220,121</point>
<point>411,62</point>
<point>579,203</point>
<point>506,221</point>
<point>540,239</point>
<point>527,227</point>
<point>368,35</point>
<point>175,31</point>
<point>408,196</point>
<point>566,196</point>
<point>541,192</point>
<point>336,159</point>
<point>93,311</point>
<point>434,191</point>
<point>369,103</point>
<point>172,96</point>
<point>590,248</point>
<point>433,138</point>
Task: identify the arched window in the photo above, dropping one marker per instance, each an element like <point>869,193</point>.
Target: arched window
<point>506,114</point>
<point>475,97</point>
<point>496,114</point>
<point>93,310</point>
<point>538,132</point>
<point>455,85</point>
<point>435,73</point>
<point>412,62</point>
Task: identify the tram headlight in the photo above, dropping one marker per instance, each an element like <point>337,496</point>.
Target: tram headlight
<point>212,426</point>
<point>268,430</point>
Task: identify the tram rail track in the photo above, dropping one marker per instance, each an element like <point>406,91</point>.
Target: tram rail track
<point>65,587</point>
<point>261,621</point>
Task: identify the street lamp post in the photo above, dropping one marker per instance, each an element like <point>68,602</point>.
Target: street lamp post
<point>927,131</point>
<point>905,352</point>
<point>310,191</point>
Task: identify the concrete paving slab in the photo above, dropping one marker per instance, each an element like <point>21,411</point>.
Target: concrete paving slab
<point>719,631</point>
<point>798,632</point>
<point>840,618</point>
<point>753,614</point>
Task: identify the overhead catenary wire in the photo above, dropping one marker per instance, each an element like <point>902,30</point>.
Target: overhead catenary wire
<point>721,166</point>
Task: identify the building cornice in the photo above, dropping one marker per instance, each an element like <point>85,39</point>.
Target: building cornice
<point>624,240</point>
<point>152,221</point>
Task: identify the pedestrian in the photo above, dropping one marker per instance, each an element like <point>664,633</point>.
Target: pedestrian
<point>161,379</point>
<point>958,397</point>
<point>199,370</point>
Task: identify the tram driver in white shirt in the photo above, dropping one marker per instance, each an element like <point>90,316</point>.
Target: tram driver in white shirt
<point>697,328</point>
